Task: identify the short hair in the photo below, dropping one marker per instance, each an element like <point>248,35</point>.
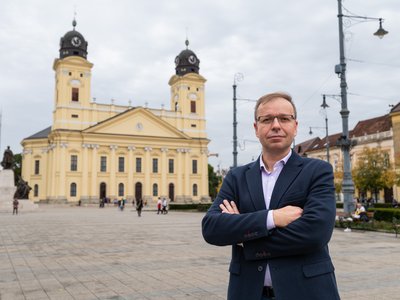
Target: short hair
<point>268,97</point>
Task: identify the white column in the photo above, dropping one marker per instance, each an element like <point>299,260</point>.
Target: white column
<point>163,188</point>
<point>113,192</point>
<point>130,169</point>
<point>147,173</point>
<point>62,184</point>
<point>85,176</point>
<point>179,172</point>
<point>93,186</point>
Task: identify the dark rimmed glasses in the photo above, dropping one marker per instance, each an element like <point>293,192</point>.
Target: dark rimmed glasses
<point>269,119</point>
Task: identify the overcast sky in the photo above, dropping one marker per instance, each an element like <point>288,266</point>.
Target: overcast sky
<point>288,46</point>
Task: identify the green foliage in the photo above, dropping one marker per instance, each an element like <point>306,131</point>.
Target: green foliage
<point>385,214</point>
<point>373,171</point>
<point>383,205</point>
<point>213,182</point>
<point>190,206</point>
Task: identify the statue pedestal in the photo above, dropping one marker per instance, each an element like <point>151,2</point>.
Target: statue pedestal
<point>7,190</point>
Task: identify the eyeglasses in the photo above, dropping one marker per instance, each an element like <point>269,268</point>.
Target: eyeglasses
<point>269,119</point>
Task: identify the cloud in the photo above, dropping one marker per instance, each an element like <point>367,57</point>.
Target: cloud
<point>277,45</point>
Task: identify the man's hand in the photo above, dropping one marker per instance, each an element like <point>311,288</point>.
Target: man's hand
<point>286,215</point>
<point>229,207</point>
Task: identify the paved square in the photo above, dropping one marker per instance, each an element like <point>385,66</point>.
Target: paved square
<point>92,253</point>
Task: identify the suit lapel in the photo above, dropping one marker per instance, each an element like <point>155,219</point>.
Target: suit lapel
<point>285,179</point>
<point>254,184</point>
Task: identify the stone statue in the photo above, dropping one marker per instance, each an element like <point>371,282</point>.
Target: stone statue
<point>8,159</point>
<point>23,189</point>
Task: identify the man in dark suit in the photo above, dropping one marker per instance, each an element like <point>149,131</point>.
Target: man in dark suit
<point>278,214</point>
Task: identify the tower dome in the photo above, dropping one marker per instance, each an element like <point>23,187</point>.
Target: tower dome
<point>186,62</point>
<point>73,44</point>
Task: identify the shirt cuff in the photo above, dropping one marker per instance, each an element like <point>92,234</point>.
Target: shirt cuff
<point>270,220</point>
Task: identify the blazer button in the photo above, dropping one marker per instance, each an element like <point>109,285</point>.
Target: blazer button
<point>260,268</point>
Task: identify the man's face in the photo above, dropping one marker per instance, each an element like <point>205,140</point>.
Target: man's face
<point>277,136</point>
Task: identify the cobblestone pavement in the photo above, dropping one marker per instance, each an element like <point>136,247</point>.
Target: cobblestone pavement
<point>91,253</point>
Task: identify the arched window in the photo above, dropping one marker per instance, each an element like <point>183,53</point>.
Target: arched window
<point>36,190</point>
<point>120,190</point>
<point>194,189</point>
<point>155,189</point>
<point>72,191</point>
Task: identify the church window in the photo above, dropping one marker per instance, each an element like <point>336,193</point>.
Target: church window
<point>188,88</point>
<point>197,89</point>
<point>74,162</point>
<point>81,75</point>
<point>193,125</point>
<point>70,73</point>
<point>37,167</point>
<point>75,116</point>
<point>75,94</point>
<point>194,166</point>
<point>194,189</point>
<point>36,190</point>
<point>171,165</point>
<point>192,106</point>
<point>155,190</point>
<point>138,165</point>
<point>121,164</point>
<point>120,190</point>
<point>103,164</point>
<point>72,191</point>
<point>155,165</point>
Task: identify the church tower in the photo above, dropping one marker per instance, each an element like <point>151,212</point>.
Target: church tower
<point>73,78</point>
<point>187,94</point>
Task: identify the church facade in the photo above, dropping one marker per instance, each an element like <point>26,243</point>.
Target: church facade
<point>95,150</point>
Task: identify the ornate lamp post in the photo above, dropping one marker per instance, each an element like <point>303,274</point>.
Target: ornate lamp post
<point>344,141</point>
<point>324,106</point>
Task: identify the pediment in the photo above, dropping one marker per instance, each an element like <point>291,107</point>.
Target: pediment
<point>137,122</point>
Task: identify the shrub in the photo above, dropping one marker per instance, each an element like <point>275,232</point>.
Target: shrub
<point>385,214</point>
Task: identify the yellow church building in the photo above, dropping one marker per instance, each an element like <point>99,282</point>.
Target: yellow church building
<point>95,150</point>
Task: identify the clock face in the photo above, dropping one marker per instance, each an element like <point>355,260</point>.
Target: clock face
<point>177,61</point>
<point>76,41</point>
<point>192,59</point>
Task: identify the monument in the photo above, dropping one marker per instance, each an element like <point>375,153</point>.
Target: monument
<point>7,189</point>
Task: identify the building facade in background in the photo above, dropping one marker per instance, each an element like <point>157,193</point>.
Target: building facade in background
<point>382,133</point>
<point>95,150</point>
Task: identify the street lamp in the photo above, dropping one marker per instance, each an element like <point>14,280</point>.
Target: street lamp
<point>324,106</point>
<point>344,141</point>
<point>236,78</point>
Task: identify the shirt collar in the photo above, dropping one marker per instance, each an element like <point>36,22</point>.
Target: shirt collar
<point>282,161</point>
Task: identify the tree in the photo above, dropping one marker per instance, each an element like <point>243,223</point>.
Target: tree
<point>373,171</point>
<point>338,179</point>
<point>213,182</point>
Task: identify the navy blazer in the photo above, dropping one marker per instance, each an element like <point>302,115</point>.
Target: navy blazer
<point>297,254</point>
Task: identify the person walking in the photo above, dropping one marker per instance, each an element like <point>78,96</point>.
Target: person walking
<point>139,206</point>
<point>15,206</point>
<point>278,214</point>
<point>159,206</point>
<point>164,206</point>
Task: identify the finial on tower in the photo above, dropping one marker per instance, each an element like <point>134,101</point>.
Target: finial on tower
<point>74,21</point>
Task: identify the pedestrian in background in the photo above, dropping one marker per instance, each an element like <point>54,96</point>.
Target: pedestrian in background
<point>164,206</point>
<point>15,206</point>
<point>159,205</point>
<point>139,206</point>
